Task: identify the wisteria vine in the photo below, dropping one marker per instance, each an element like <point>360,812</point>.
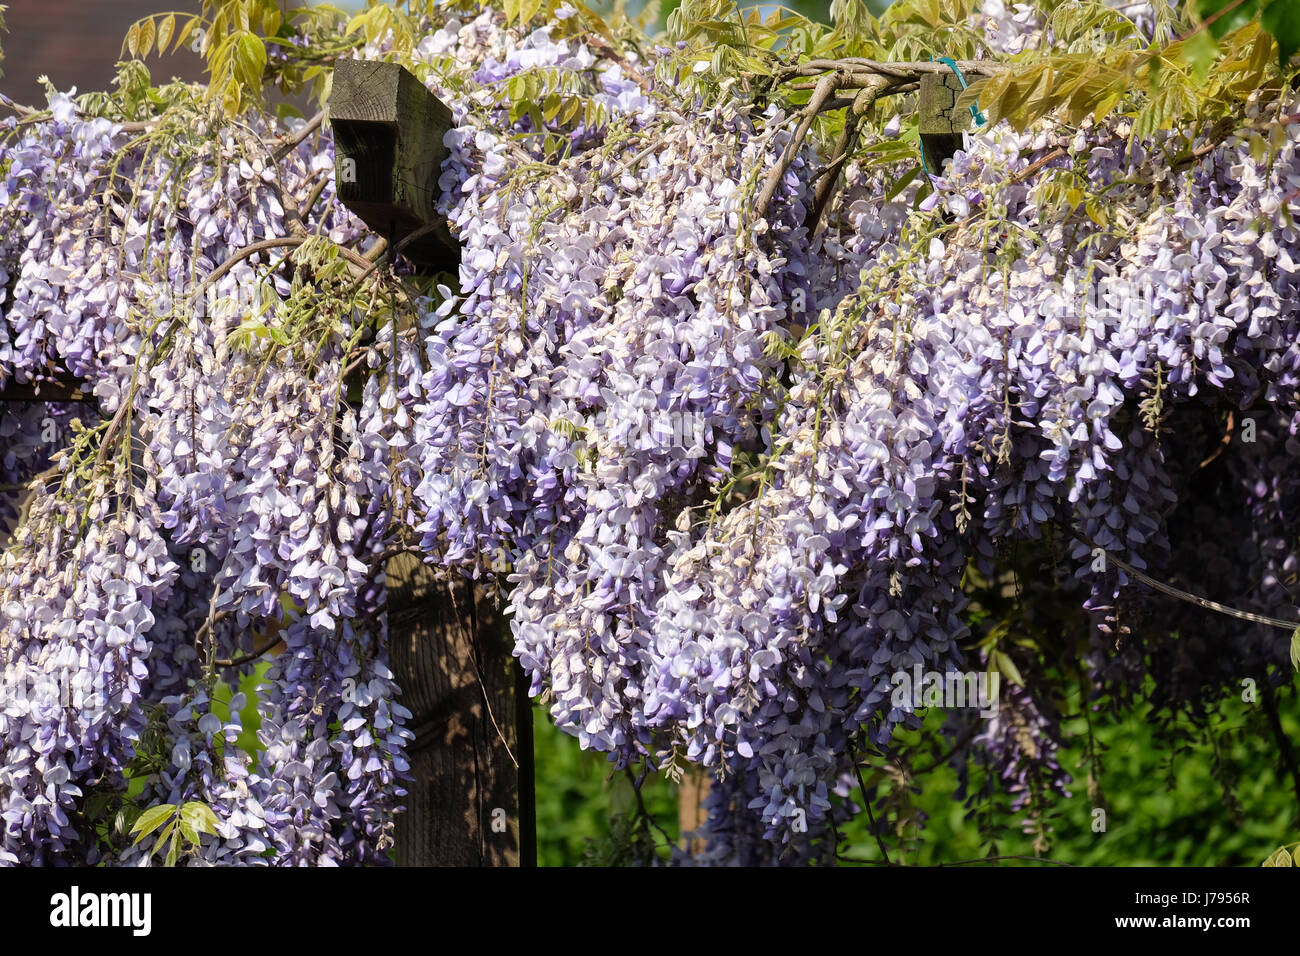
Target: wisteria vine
<point>733,467</point>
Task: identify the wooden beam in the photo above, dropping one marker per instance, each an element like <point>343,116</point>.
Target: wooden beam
<point>59,389</point>
<point>937,118</point>
<point>388,132</point>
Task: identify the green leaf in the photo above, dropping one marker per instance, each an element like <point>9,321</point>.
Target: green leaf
<point>173,851</point>
<point>1199,51</point>
<point>1295,648</point>
<point>146,37</point>
<point>165,29</point>
<point>151,820</point>
<point>1282,19</point>
<point>901,183</point>
<point>200,816</point>
<point>250,58</point>
<point>528,9</point>
<point>1229,21</point>
<point>1004,665</point>
<point>1280,857</point>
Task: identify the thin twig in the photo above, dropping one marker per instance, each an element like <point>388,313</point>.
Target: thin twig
<point>315,194</point>
<point>847,142</point>
<point>1186,596</point>
<point>825,87</point>
<point>1223,444</point>
<point>289,143</point>
<point>1038,164</point>
<point>641,807</point>
<point>473,659</point>
<point>866,805</point>
<point>279,242</point>
<point>251,656</point>
<point>899,71</point>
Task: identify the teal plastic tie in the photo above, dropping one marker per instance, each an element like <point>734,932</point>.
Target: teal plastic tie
<point>980,119</point>
<point>975,111</point>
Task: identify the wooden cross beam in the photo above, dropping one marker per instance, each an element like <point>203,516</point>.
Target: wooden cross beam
<point>937,118</point>
<point>59,388</point>
<point>388,131</point>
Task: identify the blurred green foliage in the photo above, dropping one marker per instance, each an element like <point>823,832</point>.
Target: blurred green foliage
<point>587,812</point>
<point>1172,798</point>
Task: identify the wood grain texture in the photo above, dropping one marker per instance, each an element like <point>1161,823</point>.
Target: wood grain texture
<point>388,134</point>
<point>451,656</point>
<point>937,118</point>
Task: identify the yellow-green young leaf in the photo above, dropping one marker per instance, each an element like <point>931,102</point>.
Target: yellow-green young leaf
<point>988,93</point>
<point>511,10</point>
<point>250,58</point>
<point>132,38</point>
<point>1279,858</point>
<point>1199,51</point>
<point>1295,648</point>
<point>359,21</point>
<point>1258,147</point>
<point>1042,99</point>
<point>187,29</point>
<point>1085,89</point>
<point>1018,90</point>
<point>152,819</point>
<point>1004,665</point>
<point>230,97</point>
<point>165,28</point>
<point>1105,106</point>
<point>173,851</point>
<point>1295,855</point>
<point>146,37</point>
<point>200,816</point>
<point>528,9</point>
<point>164,833</point>
<point>270,19</point>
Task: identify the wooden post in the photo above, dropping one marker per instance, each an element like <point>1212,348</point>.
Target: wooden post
<point>388,132</point>
<point>937,119</point>
<point>690,807</point>
<point>468,804</point>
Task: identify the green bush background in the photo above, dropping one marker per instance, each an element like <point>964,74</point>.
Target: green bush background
<point>1170,802</point>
